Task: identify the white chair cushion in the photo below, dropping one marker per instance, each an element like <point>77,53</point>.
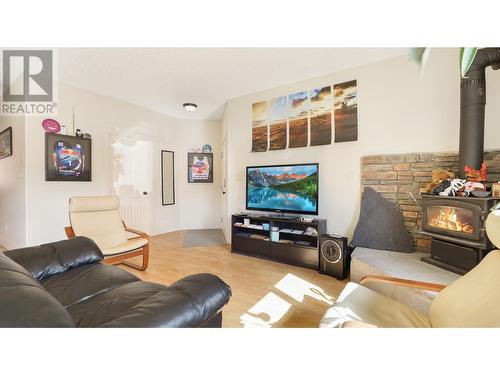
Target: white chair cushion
<point>493,227</point>
<point>99,219</point>
<point>94,203</point>
<point>365,261</point>
<point>473,300</point>
<point>358,303</point>
<point>130,245</point>
<point>357,324</point>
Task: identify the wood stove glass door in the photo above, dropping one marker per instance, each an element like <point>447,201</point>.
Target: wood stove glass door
<point>460,220</point>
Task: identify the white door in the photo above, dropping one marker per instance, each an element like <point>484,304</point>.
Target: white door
<point>224,219</point>
<point>132,180</point>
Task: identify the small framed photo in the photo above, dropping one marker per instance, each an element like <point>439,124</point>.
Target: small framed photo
<point>6,143</point>
<point>67,158</point>
<point>495,188</point>
<point>200,167</point>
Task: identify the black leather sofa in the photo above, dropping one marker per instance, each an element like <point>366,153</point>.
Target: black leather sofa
<point>63,284</point>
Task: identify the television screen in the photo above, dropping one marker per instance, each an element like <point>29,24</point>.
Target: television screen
<point>283,188</point>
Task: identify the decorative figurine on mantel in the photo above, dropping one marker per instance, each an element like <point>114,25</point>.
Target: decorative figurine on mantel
<point>473,184</point>
<point>476,179</point>
<point>455,186</point>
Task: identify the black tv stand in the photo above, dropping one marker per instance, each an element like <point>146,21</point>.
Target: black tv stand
<point>294,248</point>
<point>282,216</point>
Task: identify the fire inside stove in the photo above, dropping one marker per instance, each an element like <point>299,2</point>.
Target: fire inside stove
<point>451,218</point>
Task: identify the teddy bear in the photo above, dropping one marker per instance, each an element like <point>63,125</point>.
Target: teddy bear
<point>438,176</point>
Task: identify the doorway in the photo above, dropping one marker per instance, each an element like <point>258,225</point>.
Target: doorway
<point>224,199</point>
<point>132,180</point>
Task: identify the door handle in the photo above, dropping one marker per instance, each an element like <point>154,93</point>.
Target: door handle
<point>144,193</point>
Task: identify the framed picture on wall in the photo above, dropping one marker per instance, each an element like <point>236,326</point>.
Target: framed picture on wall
<point>167,178</point>
<point>6,143</point>
<point>200,167</point>
<point>67,158</point>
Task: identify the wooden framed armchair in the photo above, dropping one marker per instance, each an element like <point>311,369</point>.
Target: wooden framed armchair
<point>472,301</point>
<point>98,218</point>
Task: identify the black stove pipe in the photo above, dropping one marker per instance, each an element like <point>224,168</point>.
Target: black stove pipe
<point>472,105</point>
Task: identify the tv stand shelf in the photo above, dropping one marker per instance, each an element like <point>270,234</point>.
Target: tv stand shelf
<point>293,248</point>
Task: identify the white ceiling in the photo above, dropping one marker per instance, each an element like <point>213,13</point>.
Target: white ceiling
<point>162,79</point>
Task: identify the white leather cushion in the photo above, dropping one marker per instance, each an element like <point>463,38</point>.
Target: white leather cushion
<point>493,227</point>
<point>473,300</point>
<point>130,245</point>
<point>357,303</point>
<point>357,324</point>
<point>104,227</point>
<point>93,203</point>
<point>365,261</point>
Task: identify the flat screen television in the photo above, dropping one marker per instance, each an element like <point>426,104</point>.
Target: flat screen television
<point>283,188</point>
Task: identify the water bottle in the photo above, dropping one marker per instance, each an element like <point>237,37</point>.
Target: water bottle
<point>275,234</point>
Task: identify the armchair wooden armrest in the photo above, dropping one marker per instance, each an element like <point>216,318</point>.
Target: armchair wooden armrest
<point>135,231</point>
<point>70,233</point>
<point>403,282</point>
<point>145,248</point>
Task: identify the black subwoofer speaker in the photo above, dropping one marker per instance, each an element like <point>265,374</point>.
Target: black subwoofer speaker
<point>334,256</point>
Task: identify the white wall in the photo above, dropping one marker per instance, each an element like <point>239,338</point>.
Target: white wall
<point>12,188</point>
<point>197,205</point>
<point>397,112</point>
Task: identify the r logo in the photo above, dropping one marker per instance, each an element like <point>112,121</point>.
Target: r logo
<point>27,76</point>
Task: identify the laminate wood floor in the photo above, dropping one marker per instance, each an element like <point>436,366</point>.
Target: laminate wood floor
<point>265,293</point>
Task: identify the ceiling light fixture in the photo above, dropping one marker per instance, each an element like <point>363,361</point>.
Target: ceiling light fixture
<point>190,107</point>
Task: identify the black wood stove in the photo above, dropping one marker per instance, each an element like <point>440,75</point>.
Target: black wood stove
<point>457,228</point>
<point>456,224</point>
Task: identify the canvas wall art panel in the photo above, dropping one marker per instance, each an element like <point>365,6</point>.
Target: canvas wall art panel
<point>259,127</point>
<point>345,104</point>
<point>320,116</point>
<point>298,105</point>
<point>277,123</point>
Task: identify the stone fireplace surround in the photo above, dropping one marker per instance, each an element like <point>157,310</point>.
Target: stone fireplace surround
<point>399,176</point>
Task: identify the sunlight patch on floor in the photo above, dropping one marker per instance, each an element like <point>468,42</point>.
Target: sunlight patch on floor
<point>298,288</point>
<point>267,311</point>
<point>271,308</point>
